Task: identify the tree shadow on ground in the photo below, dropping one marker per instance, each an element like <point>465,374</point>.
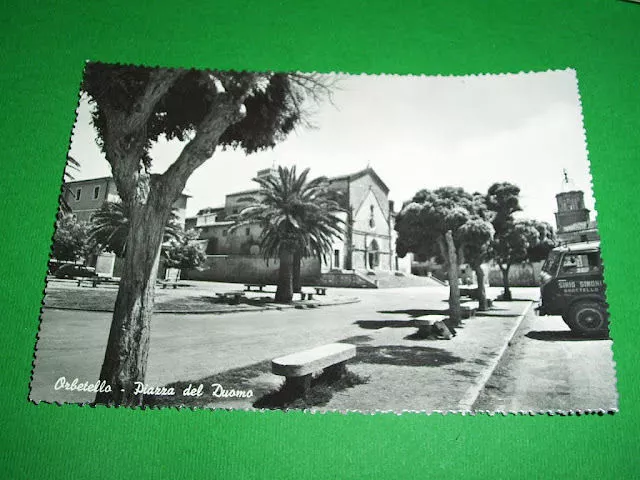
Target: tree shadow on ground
<point>320,393</point>
<point>254,301</point>
<point>405,356</point>
<point>417,337</point>
<point>357,339</point>
<point>488,313</point>
<point>414,313</point>
<point>378,324</point>
<point>514,300</point>
<point>562,336</point>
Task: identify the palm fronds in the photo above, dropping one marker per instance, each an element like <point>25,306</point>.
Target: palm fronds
<point>294,214</point>
<point>110,228</point>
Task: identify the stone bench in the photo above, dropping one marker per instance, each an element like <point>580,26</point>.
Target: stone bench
<point>298,368</point>
<point>306,296</point>
<point>165,283</point>
<point>433,325</point>
<point>467,311</point>
<point>321,290</point>
<point>248,287</point>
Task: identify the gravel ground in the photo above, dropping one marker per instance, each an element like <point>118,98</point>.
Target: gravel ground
<point>403,373</point>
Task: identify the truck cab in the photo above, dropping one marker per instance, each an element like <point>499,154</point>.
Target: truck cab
<point>572,285</point>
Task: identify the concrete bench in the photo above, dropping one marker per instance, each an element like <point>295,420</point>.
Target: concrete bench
<point>433,325</point>
<point>165,283</point>
<point>306,296</point>
<point>298,368</point>
<point>321,290</point>
<point>467,311</point>
<point>469,292</point>
<point>249,286</point>
<point>233,298</point>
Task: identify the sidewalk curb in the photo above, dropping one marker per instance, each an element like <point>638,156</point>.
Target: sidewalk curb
<point>471,395</point>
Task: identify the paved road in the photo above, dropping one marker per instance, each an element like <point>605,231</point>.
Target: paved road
<point>548,368</point>
<point>72,343</point>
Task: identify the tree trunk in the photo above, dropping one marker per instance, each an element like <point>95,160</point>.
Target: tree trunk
<point>297,264</point>
<point>284,292</point>
<point>506,294</point>
<point>125,358</point>
<point>454,288</point>
<point>482,291</point>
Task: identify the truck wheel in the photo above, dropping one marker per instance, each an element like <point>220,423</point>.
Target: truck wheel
<point>588,318</point>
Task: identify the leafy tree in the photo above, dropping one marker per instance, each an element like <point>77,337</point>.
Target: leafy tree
<point>297,217</point>
<point>184,251</point>
<point>512,246</point>
<point>132,108</point>
<point>71,239</point>
<point>515,241</point>
<point>547,241</point>
<point>109,229</point>
<point>503,198</point>
<point>430,226</point>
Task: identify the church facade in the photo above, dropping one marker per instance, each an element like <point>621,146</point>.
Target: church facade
<point>367,244</point>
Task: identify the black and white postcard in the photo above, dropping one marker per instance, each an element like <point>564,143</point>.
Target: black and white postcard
<point>332,242</point>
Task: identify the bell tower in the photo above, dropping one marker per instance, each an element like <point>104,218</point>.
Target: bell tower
<point>571,209</point>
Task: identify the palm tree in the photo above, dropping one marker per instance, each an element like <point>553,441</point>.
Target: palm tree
<point>296,217</point>
<point>110,228</point>
<point>71,166</point>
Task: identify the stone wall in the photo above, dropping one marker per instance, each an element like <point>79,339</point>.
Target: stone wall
<point>520,275</point>
<point>345,279</point>
<point>248,269</point>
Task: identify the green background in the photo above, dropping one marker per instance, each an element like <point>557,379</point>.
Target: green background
<point>44,45</point>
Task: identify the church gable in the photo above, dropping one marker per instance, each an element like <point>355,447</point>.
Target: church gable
<point>370,217</point>
<point>361,185</point>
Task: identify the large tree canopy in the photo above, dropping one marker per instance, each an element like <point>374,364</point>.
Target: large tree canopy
<point>134,107</point>
<point>515,241</point>
<point>447,223</point>
<point>261,108</point>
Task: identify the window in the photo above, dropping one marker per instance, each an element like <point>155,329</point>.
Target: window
<point>336,259</point>
<point>224,232</point>
<point>580,263</point>
<point>96,192</point>
<point>78,194</point>
<point>247,231</point>
<point>551,264</point>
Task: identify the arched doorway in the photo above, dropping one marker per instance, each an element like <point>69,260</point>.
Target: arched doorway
<point>373,254</point>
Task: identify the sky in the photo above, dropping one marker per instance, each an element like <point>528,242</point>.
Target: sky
<point>416,132</point>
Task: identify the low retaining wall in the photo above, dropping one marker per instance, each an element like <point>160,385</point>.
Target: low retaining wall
<point>248,269</point>
<point>520,275</point>
<point>345,280</point>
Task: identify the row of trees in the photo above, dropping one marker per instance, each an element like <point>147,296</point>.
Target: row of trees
<point>454,227</point>
<point>108,230</point>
